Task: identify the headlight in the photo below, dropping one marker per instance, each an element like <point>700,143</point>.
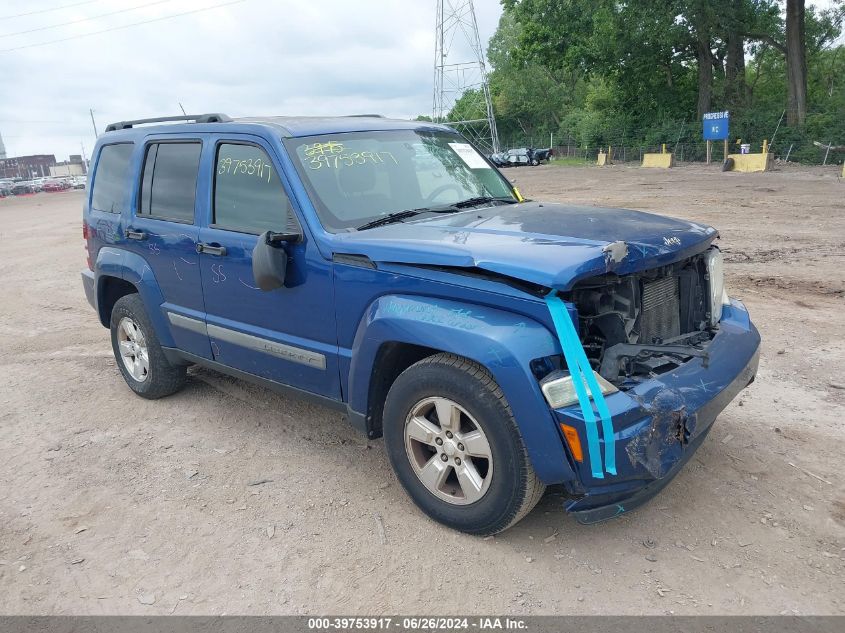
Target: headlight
<point>559,389</point>
<point>716,276</point>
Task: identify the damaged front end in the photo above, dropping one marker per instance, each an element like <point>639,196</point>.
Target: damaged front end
<point>677,352</point>
<point>646,323</point>
<point>659,446</point>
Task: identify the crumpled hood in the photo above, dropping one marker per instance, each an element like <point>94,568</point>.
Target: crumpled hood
<point>553,245</point>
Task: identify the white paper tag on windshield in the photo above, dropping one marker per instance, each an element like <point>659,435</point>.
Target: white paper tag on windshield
<point>467,152</point>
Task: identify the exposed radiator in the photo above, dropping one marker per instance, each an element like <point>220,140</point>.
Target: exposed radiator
<point>661,312</point>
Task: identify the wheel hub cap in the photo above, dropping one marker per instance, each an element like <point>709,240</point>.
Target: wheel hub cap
<point>448,451</point>
<point>133,349</point>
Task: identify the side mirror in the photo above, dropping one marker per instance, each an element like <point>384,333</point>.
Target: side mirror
<point>270,261</point>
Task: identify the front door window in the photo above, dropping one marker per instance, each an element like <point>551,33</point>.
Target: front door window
<point>248,195</point>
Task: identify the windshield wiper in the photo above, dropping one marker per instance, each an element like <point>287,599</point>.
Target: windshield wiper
<point>390,218</point>
<point>477,200</point>
<point>398,216</point>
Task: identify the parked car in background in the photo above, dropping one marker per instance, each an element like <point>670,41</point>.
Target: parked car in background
<point>528,156</point>
<point>498,159</point>
<point>23,187</point>
<point>6,188</point>
<point>521,156</point>
<point>78,182</point>
<point>53,186</point>
<point>517,157</point>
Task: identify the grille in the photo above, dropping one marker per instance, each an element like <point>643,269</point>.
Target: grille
<point>661,315</point>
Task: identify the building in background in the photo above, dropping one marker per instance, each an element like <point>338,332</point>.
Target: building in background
<point>74,166</point>
<point>27,167</point>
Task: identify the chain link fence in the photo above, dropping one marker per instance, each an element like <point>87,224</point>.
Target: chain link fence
<point>689,152</point>
<point>687,147</point>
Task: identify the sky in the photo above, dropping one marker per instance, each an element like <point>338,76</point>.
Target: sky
<point>239,57</point>
<point>247,58</point>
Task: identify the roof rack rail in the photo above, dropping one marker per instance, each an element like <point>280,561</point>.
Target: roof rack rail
<point>196,118</point>
<point>376,116</point>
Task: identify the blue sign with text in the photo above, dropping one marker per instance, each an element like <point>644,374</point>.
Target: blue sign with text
<point>716,126</point>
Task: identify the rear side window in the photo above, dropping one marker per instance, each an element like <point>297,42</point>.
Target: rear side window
<point>248,195</point>
<point>169,181</point>
<point>110,180</point>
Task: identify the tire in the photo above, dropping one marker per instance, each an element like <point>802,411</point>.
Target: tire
<point>510,487</point>
<point>157,377</point>
<point>534,162</point>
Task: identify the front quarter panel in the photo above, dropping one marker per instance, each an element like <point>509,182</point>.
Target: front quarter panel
<point>501,341</point>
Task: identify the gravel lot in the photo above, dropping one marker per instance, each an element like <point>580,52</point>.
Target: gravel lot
<point>113,504</point>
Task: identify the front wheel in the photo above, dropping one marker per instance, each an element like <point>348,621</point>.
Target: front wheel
<point>455,447</point>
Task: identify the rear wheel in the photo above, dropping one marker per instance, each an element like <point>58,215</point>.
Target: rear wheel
<point>455,447</point>
<point>138,352</point>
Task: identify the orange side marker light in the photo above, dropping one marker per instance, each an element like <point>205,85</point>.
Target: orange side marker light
<point>571,435</point>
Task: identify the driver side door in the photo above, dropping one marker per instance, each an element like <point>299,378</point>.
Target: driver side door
<point>287,335</point>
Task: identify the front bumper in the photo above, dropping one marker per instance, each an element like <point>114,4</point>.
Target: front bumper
<point>659,423</point>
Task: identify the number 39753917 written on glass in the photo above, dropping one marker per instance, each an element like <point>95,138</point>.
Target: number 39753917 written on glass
<point>249,167</point>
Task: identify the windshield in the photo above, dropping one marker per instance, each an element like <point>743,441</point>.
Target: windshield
<point>356,178</point>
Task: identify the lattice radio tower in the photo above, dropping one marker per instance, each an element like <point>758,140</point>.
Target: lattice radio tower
<point>459,69</point>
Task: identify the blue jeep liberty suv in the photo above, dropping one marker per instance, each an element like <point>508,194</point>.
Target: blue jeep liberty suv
<point>388,270</point>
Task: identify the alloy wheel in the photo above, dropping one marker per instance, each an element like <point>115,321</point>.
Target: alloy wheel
<point>133,349</point>
<point>448,451</point>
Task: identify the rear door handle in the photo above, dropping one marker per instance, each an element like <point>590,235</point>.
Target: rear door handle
<point>135,235</point>
<point>211,249</point>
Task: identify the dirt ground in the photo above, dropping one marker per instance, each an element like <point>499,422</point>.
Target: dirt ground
<point>113,504</point>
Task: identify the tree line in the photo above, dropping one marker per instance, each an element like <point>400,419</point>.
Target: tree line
<point>592,70</point>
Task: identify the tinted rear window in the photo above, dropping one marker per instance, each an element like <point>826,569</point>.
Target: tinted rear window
<point>169,181</point>
<point>110,180</point>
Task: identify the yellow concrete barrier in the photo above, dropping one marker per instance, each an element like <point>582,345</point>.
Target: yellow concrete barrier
<point>763,161</point>
<point>605,159</point>
<point>659,160</point>
<point>752,162</point>
<point>664,159</point>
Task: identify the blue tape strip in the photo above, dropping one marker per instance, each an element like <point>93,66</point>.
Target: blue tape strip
<point>601,405</point>
<point>565,332</point>
<point>576,359</point>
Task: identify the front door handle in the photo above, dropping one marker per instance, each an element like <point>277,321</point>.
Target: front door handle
<point>135,235</point>
<point>211,249</point>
